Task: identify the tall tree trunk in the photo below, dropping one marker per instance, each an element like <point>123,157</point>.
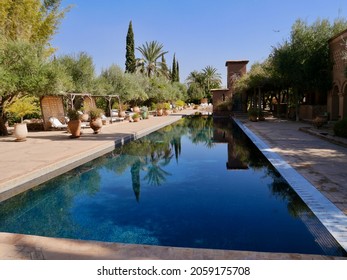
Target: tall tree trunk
<point>3,128</point>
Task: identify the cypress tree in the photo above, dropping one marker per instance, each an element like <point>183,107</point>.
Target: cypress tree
<point>177,72</point>
<point>130,62</point>
<point>174,69</point>
<point>164,69</point>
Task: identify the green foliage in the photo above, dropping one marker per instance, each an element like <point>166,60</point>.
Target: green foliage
<point>33,21</point>
<point>130,87</point>
<point>24,106</point>
<point>130,63</point>
<point>73,115</point>
<point>136,116</point>
<point>304,62</point>
<point>340,128</point>
<point>151,52</point>
<point>201,83</point>
<point>80,72</point>
<point>24,70</point>
<point>164,70</point>
<point>177,72</point>
<point>179,103</point>
<point>174,77</point>
<point>166,106</point>
<point>95,113</point>
<point>26,28</point>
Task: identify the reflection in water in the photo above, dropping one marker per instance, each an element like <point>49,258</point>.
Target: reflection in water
<point>184,196</point>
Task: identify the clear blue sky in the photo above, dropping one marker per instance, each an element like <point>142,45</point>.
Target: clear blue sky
<point>200,32</point>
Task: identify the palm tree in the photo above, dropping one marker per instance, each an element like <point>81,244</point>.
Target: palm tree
<point>196,85</point>
<point>211,77</point>
<point>195,77</point>
<point>151,52</point>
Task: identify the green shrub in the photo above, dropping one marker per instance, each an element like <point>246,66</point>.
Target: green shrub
<point>179,103</point>
<point>73,115</point>
<point>340,128</point>
<point>95,113</point>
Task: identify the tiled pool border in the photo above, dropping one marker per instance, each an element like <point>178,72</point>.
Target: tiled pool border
<point>329,215</point>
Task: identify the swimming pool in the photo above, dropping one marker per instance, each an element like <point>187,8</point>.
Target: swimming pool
<point>198,183</point>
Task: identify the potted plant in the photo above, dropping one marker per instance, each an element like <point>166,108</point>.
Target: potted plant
<point>136,117</point>
<point>166,109</point>
<point>179,104</point>
<point>261,115</point>
<point>121,112</point>
<point>74,123</point>
<point>252,114</point>
<point>160,108</point>
<point>136,109</point>
<point>144,112</point>
<point>318,122</point>
<point>20,108</point>
<point>95,119</point>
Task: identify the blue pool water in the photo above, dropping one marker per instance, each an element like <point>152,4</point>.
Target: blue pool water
<point>197,183</point>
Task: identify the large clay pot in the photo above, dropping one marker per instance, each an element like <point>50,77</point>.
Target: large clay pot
<point>96,125</point>
<point>74,128</point>
<point>20,132</point>
<point>159,112</point>
<point>121,114</point>
<point>85,117</point>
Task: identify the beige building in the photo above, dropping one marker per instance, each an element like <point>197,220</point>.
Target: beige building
<point>337,97</point>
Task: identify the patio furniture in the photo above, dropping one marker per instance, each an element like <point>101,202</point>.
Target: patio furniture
<point>55,123</point>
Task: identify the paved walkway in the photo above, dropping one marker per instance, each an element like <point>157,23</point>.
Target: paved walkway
<point>47,154</point>
<point>321,162</point>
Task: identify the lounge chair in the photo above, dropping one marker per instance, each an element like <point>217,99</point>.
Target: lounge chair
<point>55,123</point>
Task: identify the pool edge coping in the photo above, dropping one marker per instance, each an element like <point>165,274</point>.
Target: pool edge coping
<point>334,220</point>
<point>29,180</point>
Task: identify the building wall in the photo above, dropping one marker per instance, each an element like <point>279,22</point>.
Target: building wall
<point>337,96</point>
<point>235,70</point>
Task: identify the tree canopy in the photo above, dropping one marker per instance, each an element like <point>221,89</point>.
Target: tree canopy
<point>201,82</point>
<point>301,66</point>
<point>33,21</point>
<point>151,52</point>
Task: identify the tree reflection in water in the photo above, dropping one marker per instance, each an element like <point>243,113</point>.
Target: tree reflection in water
<point>91,196</point>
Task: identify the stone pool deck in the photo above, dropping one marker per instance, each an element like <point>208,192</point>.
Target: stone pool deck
<point>47,154</point>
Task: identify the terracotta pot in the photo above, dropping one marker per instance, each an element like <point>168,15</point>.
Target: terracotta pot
<point>159,112</point>
<point>20,132</point>
<point>136,119</point>
<point>253,118</point>
<point>121,114</point>
<point>85,117</point>
<point>74,128</point>
<point>96,125</point>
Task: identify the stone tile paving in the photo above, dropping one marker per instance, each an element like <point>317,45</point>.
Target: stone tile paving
<point>320,154</point>
<point>26,247</point>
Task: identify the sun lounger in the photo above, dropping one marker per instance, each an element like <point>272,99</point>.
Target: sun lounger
<point>116,119</point>
<point>55,123</point>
